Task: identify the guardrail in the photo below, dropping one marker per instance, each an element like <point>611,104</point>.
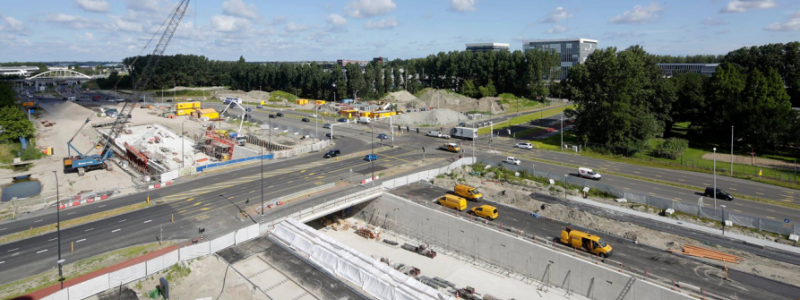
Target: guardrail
<point>311,212</point>
<point>310,191</point>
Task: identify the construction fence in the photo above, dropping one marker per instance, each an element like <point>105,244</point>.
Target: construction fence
<point>275,154</point>
<point>424,175</point>
<point>16,206</point>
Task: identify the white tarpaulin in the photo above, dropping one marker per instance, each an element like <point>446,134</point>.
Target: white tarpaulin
<point>252,231</point>
<point>398,182</point>
<point>433,173</point>
<point>89,287</point>
<point>379,289</point>
<point>126,275</point>
<point>284,234</point>
<point>241,236</point>
<point>302,244</point>
<point>194,251</point>
<point>222,242</point>
<point>389,184</point>
<point>325,259</point>
<point>155,265</point>
<point>60,295</point>
<point>171,259</point>
<point>413,178</point>
<point>350,273</point>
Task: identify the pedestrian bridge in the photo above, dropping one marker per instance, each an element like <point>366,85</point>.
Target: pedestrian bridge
<point>59,75</point>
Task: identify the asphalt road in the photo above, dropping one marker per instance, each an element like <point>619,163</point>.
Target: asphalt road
<point>208,200</point>
<point>655,261</point>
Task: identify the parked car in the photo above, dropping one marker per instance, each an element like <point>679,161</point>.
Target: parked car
<point>306,120</point>
<point>383,136</point>
<point>280,114</point>
<point>259,106</point>
<point>329,135</point>
<point>434,133</point>
<point>249,109</point>
<point>313,115</point>
<point>445,136</point>
<point>371,157</point>
<point>327,126</point>
<point>271,116</point>
<point>332,153</point>
<point>524,146</point>
<point>513,161</point>
<point>484,211</point>
<point>342,120</point>
<point>720,194</point>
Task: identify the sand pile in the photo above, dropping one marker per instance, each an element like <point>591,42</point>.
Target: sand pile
<point>251,96</point>
<point>404,100</point>
<point>435,118</point>
<point>450,100</point>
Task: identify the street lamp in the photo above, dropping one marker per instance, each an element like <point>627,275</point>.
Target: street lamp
<point>715,178</point>
<point>731,150</point>
<point>58,229</point>
<point>262,180</point>
<point>372,161</point>
<point>437,97</point>
<point>723,219</point>
<point>334,93</point>
<point>562,130</point>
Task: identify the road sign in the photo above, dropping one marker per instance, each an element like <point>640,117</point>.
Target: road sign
<point>786,221</point>
<point>586,189</point>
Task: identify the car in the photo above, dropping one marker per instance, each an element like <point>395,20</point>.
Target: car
<point>259,106</point>
<point>306,120</point>
<point>513,160</point>
<point>371,157</point>
<point>589,173</point>
<point>720,194</point>
<point>434,133</point>
<point>112,100</point>
<point>342,120</point>
<point>248,109</point>
<point>313,115</point>
<point>445,136</point>
<point>329,135</point>
<point>327,125</point>
<point>271,116</point>
<point>484,211</point>
<point>332,153</point>
<point>280,114</point>
<point>528,146</point>
<point>383,136</point>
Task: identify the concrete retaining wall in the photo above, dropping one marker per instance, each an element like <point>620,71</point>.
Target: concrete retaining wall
<point>594,281</point>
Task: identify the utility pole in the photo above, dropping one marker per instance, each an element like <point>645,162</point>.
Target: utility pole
<point>262,180</point>
<point>372,161</point>
<point>437,98</point>
<point>731,150</point>
<point>715,178</point>
<point>562,130</point>
<point>58,228</point>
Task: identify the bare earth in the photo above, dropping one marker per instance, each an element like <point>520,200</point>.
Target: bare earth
<point>746,160</point>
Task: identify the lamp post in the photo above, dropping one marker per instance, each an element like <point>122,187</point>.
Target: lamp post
<point>58,229</point>
<point>162,94</point>
<point>562,130</point>
<point>723,219</point>
<point>262,180</point>
<point>437,97</point>
<point>372,161</point>
<point>731,150</point>
<point>715,178</point>
<point>334,93</point>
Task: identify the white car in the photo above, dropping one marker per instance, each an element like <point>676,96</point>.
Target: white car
<point>524,146</point>
<point>444,136</point>
<point>513,161</point>
<point>434,133</point>
<point>313,115</point>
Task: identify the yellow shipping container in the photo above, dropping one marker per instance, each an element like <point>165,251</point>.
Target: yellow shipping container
<point>319,102</point>
<point>206,112</point>
<point>185,105</point>
<point>301,101</point>
<point>183,112</point>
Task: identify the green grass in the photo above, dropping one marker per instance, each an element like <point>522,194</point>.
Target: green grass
<point>91,84</point>
<point>528,131</point>
<point>278,96</point>
<point>526,118</point>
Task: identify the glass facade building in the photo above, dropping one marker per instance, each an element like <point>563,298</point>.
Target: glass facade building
<point>487,47</point>
<point>572,51</point>
<point>703,69</point>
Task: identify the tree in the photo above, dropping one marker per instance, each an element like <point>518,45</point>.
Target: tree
<point>689,101</point>
<point>14,123</point>
<point>7,94</point>
<point>489,90</point>
<point>469,89</point>
<point>388,81</point>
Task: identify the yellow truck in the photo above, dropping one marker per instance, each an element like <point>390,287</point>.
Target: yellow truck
<point>468,192</point>
<point>452,147</point>
<point>591,243</point>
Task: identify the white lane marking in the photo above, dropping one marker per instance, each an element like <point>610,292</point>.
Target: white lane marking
<point>1,262</point>
<point>115,230</point>
<point>70,213</point>
<point>123,220</point>
<point>53,239</point>
<point>90,229</point>
<point>102,205</point>
<point>41,251</point>
<point>12,250</point>
<point>1,229</point>
<point>37,221</point>
<point>81,240</point>
<point>148,221</point>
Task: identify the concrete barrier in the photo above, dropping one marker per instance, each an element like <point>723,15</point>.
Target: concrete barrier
<point>594,281</point>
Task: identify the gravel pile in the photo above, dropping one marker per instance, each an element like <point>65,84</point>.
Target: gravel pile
<point>404,100</point>
<point>450,100</point>
<point>435,118</point>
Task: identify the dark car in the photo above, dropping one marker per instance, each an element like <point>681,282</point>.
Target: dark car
<point>306,120</point>
<point>383,136</point>
<point>249,109</point>
<point>720,194</point>
<point>280,114</point>
<point>332,153</point>
<point>272,116</point>
<point>329,135</point>
<point>342,120</point>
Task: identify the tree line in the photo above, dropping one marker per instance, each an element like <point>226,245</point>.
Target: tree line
<point>14,124</point>
<point>623,100</point>
<point>472,73</point>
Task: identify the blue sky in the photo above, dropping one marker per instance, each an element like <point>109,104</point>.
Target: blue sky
<point>50,30</point>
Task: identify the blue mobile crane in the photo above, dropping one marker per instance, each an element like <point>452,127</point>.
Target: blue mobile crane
<point>83,162</point>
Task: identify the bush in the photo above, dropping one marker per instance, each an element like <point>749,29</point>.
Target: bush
<point>671,148</point>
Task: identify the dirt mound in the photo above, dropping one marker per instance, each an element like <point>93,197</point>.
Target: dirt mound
<point>451,100</point>
<point>404,100</point>
<point>183,88</point>
<point>251,96</point>
<point>434,118</point>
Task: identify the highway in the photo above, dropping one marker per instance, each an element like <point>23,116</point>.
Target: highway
<point>643,258</point>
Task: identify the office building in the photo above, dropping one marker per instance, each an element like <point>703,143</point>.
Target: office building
<point>572,51</point>
<point>670,69</point>
<point>487,47</point>
<point>24,71</point>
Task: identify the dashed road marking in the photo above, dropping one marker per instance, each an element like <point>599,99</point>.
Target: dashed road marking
<point>1,229</point>
<point>1,262</point>
<point>123,220</point>
<point>190,199</point>
<point>81,240</point>
<point>736,210</point>
<point>41,251</point>
<point>681,180</point>
<point>762,194</point>
<point>115,230</point>
<point>37,221</point>
<point>772,218</point>
<point>12,250</point>
<point>90,229</point>
<point>101,206</point>
<point>70,213</point>
<point>148,221</point>
<point>53,239</point>
<point>732,189</point>
<point>253,191</point>
<point>205,208</point>
<point>198,203</point>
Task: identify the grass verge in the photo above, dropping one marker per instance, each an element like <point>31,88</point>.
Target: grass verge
<point>526,118</point>
<point>76,269</point>
<point>70,223</point>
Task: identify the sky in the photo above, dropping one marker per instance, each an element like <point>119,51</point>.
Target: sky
<point>303,30</point>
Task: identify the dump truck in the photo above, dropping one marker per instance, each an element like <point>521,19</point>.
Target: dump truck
<point>464,133</point>
<point>588,242</point>
<point>452,147</point>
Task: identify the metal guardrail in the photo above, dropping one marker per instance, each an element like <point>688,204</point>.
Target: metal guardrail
<point>301,215</point>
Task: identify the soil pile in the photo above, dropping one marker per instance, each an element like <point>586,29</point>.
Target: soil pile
<point>434,118</point>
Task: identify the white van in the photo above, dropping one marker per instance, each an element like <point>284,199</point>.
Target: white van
<point>588,173</point>
<point>364,120</point>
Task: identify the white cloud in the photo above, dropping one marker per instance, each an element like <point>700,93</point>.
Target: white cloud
<point>640,14</point>
<point>229,24</point>
<point>14,26</point>
<point>738,6</point>
<point>85,36</point>
<point>558,29</point>
<point>98,6</point>
<point>369,8</point>
<point>74,22</point>
<point>382,24</point>
<point>336,21</point>
<point>292,27</point>
<point>792,24</point>
<point>124,25</point>
<point>711,21</point>
<point>557,15</point>
<point>239,9</point>
<point>144,5</point>
<point>462,5</point>
<point>277,21</point>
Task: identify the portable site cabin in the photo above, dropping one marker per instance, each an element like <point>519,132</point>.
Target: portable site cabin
<point>210,113</point>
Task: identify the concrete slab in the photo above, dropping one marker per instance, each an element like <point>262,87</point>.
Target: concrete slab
<point>270,280</point>
<point>171,145</point>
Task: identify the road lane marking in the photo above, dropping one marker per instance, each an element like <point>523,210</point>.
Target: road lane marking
<point>115,230</point>
<point>70,213</point>
<point>253,191</point>
<point>190,199</point>
<point>198,203</point>
<point>1,229</point>
<point>736,210</point>
<point>37,221</point>
<point>772,218</point>
<point>148,221</point>
<point>81,240</point>
<point>762,194</point>
<point>205,208</point>
<point>659,176</point>
<point>53,239</point>
<point>183,211</point>
<point>732,189</point>
<point>1,262</point>
<point>90,229</point>
<point>12,250</point>
<point>101,206</point>
<point>681,180</point>
<point>41,251</point>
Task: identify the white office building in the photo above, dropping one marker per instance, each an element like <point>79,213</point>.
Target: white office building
<point>488,47</point>
<point>572,51</point>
